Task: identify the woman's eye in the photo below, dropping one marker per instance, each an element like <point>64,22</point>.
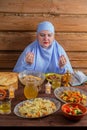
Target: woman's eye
<point>49,35</point>
<point>43,35</point>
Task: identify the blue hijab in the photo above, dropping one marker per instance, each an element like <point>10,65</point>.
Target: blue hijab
<point>45,59</point>
<point>45,26</point>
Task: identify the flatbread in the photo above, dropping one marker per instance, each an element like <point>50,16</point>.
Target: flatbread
<point>8,79</point>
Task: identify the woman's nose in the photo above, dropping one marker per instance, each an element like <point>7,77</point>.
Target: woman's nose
<point>46,37</point>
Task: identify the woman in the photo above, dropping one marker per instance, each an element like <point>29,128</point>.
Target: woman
<point>45,54</point>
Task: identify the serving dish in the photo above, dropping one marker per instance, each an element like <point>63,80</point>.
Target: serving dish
<point>27,76</point>
<point>62,78</point>
<point>73,111</point>
<point>52,76</point>
<point>62,94</point>
<point>54,101</point>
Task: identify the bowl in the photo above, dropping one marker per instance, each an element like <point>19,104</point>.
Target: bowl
<point>73,111</point>
<point>26,76</point>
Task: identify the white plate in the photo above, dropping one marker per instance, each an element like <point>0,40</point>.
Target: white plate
<point>57,103</point>
<point>58,92</point>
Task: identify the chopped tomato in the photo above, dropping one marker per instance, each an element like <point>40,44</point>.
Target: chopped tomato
<point>67,109</point>
<point>74,110</point>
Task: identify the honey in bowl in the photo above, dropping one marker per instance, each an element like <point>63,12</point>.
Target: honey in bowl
<point>31,89</point>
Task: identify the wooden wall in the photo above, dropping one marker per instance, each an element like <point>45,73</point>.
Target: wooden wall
<point>19,20</point>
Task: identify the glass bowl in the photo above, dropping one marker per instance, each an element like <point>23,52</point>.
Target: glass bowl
<point>27,75</point>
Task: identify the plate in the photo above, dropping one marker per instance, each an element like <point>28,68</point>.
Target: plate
<point>52,76</point>
<point>55,101</point>
<point>58,92</point>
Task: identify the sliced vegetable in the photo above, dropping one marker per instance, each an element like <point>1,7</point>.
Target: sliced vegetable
<point>72,110</point>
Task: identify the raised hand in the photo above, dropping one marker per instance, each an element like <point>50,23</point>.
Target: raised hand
<point>29,57</point>
<point>62,61</point>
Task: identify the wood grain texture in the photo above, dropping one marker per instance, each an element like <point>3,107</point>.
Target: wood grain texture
<point>18,24</point>
<point>50,6</point>
<point>54,120</point>
<point>62,23</point>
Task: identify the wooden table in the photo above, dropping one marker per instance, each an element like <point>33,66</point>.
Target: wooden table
<point>56,119</point>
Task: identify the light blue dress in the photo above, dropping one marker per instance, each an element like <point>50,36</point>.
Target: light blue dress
<point>45,59</point>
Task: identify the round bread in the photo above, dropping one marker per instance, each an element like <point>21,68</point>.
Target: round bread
<point>8,79</point>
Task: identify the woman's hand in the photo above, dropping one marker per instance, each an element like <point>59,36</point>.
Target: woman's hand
<point>62,61</point>
<point>29,57</point>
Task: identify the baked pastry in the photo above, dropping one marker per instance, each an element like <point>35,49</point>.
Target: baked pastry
<point>8,79</point>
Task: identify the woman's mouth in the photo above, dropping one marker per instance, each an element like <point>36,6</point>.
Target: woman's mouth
<point>45,42</point>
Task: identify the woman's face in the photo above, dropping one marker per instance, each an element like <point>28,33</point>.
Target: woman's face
<point>45,38</point>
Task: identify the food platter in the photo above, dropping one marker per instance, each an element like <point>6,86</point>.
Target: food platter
<point>53,100</point>
<point>52,76</point>
<point>60,91</point>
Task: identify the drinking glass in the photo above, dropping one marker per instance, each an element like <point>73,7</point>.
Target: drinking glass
<point>56,83</point>
<point>5,106</point>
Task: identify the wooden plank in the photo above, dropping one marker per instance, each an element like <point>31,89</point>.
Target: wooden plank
<point>70,6</point>
<point>73,56</point>
<point>78,61</point>
<point>74,45</point>
<point>67,45</point>
<point>79,64</point>
<point>9,56</point>
<point>31,36</point>
<point>50,6</point>
<point>7,64</point>
<point>10,63</point>
<point>17,41</point>
<point>10,70</point>
<point>26,6</point>
<point>71,36</point>
<point>62,23</point>
<point>82,56</point>
<point>5,69</point>
<point>81,69</point>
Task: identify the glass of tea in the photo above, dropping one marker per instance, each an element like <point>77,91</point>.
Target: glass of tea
<point>5,106</point>
<point>56,83</point>
<point>31,89</point>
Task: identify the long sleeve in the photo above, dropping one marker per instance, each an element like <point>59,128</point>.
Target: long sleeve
<point>45,59</point>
